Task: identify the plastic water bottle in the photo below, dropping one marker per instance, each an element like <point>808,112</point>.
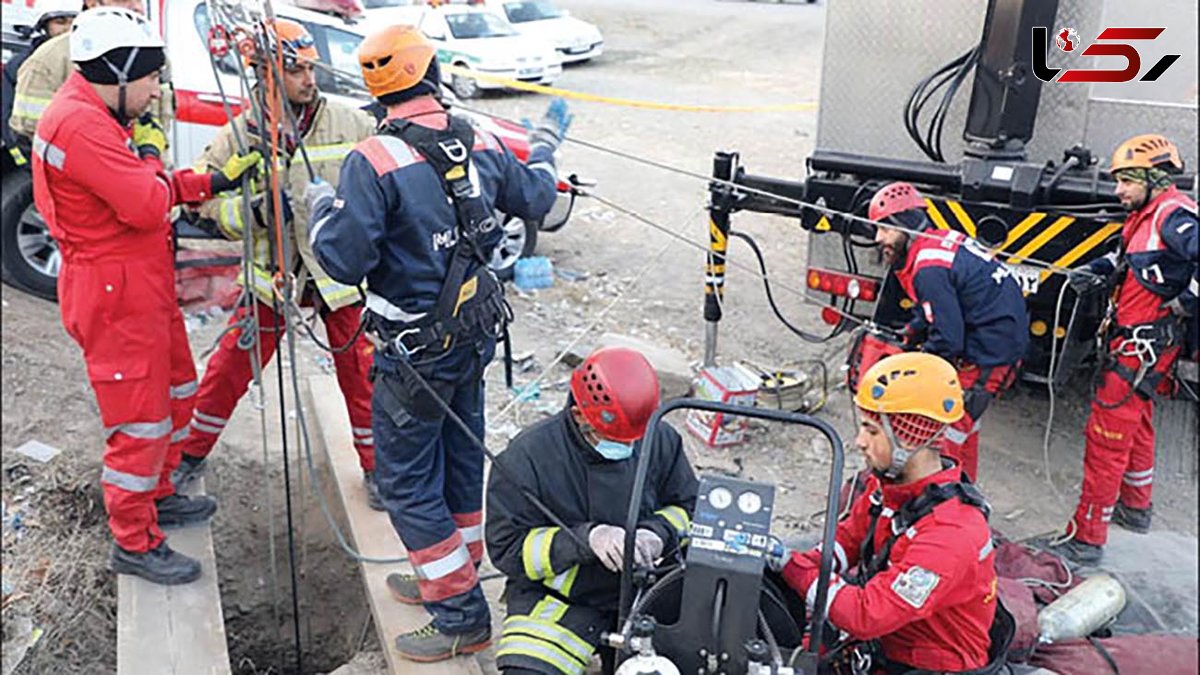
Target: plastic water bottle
<point>533,273</point>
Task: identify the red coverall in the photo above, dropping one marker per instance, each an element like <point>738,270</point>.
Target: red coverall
<point>1119,454</point>
<point>107,209</point>
<point>932,607</point>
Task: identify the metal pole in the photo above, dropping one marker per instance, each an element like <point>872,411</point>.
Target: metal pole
<point>719,208</point>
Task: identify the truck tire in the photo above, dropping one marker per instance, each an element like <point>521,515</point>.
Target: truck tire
<point>30,258</point>
<point>519,241</point>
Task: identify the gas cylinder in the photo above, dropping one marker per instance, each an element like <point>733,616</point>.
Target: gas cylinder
<point>1082,610</point>
<point>647,664</point>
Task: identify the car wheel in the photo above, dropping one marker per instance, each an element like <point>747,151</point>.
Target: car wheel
<point>30,257</point>
<point>519,241</point>
<point>464,87</point>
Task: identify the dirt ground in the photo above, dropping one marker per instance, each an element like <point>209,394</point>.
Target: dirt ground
<point>683,51</point>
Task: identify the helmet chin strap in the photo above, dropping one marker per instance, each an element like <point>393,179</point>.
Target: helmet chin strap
<point>122,80</point>
<point>900,455</point>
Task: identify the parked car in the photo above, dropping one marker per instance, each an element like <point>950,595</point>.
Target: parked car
<point>29,256</point>
<point>473,37</point>
<point>574,39</point>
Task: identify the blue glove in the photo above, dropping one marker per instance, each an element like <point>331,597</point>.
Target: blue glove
<point>314,192</point>
<point>553,125</point>
<point>1083,280</point>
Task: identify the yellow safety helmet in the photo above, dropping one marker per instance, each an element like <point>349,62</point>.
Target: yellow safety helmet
<point>914,396</point>
<point>1147,151</point>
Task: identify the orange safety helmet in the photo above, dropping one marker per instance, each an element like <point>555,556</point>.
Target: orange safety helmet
<point>394,59</point>
<point>913,396</point>
<point>295,40</point>
<point>1147,151</point>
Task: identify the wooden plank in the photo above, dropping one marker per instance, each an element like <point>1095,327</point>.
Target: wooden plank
<point>174,630</point>
<point>371,532</point>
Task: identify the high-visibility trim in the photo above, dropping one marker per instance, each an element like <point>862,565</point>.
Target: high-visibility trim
<point>381,306</point>
<point>575,646</point>
<point>549,608</point>
<point>327,153</point>
<point>1140,474</point>
<point>545,167</point>
<point>211,419</point>
<point>50,153</point>
<point>206,428</point>
<point>128,481</point>
<point>185,390</point>
<point>30,107</point>
<point>1137,482</point>
<point>334,291</point>
<point>539,650</point>
<point>145,430</point>
<point>229,218</point>
<point>934,256</point>
<point>444,569</point>
<point>677,516</point>
<point>365,441</point>
<point>839,557</point>
<point>470,528</point>
<point>386,153</point>
<point>181,434</point>
<point>535,553</point>
<point>987,548</point>
<point>955,436</point>
<point>835,584</point>
<point>563,583</point>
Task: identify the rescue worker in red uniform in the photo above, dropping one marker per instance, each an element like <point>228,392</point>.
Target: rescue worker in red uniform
<point>414,214</point>
<point>563,585</point>
<point>913,564</point>
<point>969,309</point>
<point>1155,274</point>
<point>329,130</point>
<point>105,196</point>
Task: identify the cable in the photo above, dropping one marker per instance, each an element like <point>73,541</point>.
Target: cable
<point>762,266</point>
<point>776,657</point>
<point>1053,374</point>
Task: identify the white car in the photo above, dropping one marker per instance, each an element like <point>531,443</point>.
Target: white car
<point>473,37</point>
<point>574,39</point>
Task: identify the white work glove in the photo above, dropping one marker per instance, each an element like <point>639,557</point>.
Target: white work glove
<point>649,548</point>
<point>315,191</point>
<point>608,543</point>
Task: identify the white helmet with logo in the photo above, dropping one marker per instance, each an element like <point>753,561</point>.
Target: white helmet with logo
<point>100,30</point>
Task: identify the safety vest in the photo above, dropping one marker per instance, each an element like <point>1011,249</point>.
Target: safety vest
<point>333,132</point>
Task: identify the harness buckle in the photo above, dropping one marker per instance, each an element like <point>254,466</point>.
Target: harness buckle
<point>404,350</point>
<point>1141,344</point>
<point>454,149</point>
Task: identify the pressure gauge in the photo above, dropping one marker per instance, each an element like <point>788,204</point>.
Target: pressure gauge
<point>749,503</point>
<point>720,498</point>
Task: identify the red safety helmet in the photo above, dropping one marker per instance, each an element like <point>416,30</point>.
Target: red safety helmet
<point>894,198</point>
<point>616,391</point>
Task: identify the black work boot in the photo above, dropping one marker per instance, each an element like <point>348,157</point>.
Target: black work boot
<point>159,565</point>
<point>428,644</point>
<point>179,510</point>
<point>374,500</point>
<point>404,588</point>
<point>1072,550</point>
<point>1134,520</point>
<point>189,469</point>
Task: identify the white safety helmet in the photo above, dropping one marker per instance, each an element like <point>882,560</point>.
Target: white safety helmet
<point>102,29</point>
<point>45,10</point>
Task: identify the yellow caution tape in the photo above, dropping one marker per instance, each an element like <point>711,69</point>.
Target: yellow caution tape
<point>626,102</point>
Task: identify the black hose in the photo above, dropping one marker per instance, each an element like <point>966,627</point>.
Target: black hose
<point>776,657</point>
<point>762,266</point>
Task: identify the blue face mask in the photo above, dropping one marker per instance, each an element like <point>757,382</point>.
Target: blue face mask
<point>613,450</point>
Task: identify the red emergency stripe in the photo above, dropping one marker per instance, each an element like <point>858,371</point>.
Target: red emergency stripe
<point>386,154</point>
<point>470,526</point>
<point>206,109</point>
<point>436,583</point>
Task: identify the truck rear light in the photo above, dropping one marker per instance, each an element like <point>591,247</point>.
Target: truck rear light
<point>843,285</point>
<point>831,317</point>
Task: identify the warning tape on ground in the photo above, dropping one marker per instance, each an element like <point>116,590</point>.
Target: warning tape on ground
<point>625,102</point>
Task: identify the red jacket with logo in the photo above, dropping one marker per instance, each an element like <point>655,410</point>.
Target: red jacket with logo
<point>102,201</point>
<point>933,605</point>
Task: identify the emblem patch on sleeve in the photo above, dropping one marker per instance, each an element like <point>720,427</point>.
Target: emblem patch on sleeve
<point>915,585</point>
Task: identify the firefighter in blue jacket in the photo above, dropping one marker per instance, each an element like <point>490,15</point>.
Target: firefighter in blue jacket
<point>969,308</point>
<point>413,214</point>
